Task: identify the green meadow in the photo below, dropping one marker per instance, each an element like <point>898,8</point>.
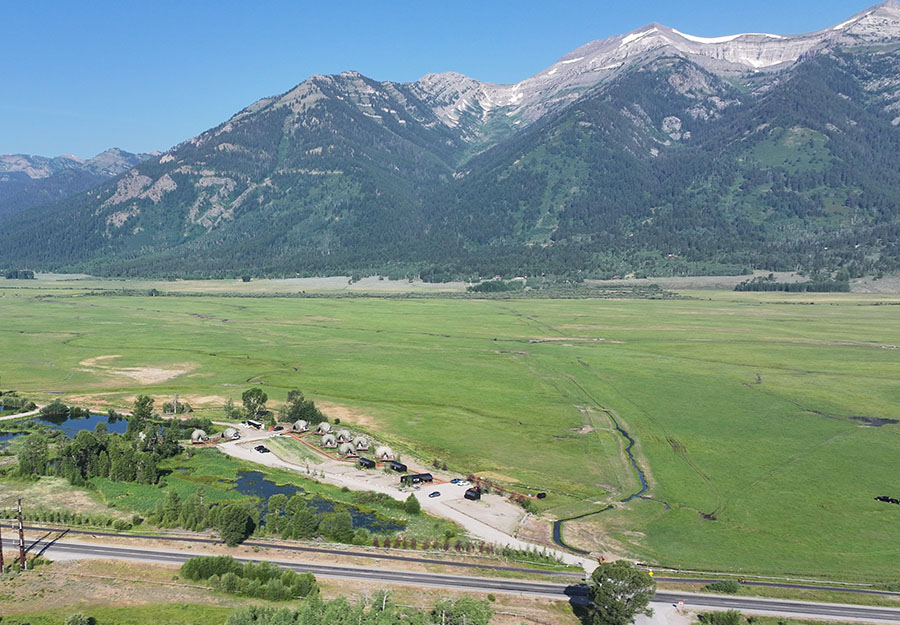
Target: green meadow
<point>758,417</point>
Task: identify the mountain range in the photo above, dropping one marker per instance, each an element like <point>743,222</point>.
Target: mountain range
<point>654,153</point>
<point>27,181</point>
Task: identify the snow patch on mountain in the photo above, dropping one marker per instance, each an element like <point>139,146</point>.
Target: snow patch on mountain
<point>724,39</point>
<point>635,36</point>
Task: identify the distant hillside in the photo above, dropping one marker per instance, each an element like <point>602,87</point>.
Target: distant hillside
<point>27,181</point>
<point>654,152</point>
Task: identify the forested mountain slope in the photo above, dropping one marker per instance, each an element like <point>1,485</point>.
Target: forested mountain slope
<point>654,152</point>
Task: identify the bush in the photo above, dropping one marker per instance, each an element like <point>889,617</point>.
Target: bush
<point>731,617</point>
<point>80,619</point>
<point>729,586</point>
<point>412,505</point>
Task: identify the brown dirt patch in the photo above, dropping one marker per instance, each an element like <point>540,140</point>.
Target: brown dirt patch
<point>537,530</point>
<point>143,375</point>
<point>347,415</point>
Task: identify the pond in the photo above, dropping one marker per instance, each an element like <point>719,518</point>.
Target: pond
<point>72,426</point>
<point>8,436</point>
<point>255,484</point>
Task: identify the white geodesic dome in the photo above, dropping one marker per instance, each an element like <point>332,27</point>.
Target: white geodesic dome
<point>344,436</point>
<point>361,443</point>
<point>329,441</point>
<point>199,436</point>
<point>384,453</point>
<point>300,426</point>
<point>230,434</point>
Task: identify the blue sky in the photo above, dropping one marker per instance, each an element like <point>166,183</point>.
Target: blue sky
<point>79,77</point>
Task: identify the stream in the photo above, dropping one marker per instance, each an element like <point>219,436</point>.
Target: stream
<point>558,524</point>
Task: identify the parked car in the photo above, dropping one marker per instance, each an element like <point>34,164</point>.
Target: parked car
<point>278,428</point>
<point>261,449</point>
<point>434,493</point>
<point>456,480</point>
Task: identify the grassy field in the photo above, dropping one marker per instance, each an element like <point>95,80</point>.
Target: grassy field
<point>743,405</point>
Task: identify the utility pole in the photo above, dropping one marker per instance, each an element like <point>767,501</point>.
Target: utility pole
<point>175,404</point>
<point>1,548</point>
<point>21,538</point>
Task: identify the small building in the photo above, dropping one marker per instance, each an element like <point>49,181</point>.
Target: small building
<point>231,434</point>
<point>416,478</point>
<point>300,426</point>
<point>361,443</point>
<point>384,453</point>
<point>329,441</point>
<point>323,428</point>
<point>198,436</point>
<point>367,463</point>
<point>473,493</point>
<point>347,450</point>
<point>398,466</point>
<point>344,436</point>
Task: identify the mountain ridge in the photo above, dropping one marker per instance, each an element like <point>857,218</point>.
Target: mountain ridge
<point>344,173</point>
<point>27,180</point>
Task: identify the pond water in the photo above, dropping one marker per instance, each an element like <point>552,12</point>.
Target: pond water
<point>8,436</point>
<point>255,484</point>
<point>71,427</point>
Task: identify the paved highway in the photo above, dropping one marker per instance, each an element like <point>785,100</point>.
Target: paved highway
<point>355,553</point>
<point>549,590</point>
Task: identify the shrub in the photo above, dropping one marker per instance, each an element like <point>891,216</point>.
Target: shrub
<point>729,586</point>
<point>731,617</point>
<point>412,505</point>
<point>80,619</point>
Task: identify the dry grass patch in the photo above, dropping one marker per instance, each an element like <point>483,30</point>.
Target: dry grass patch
<point>347,415</point>
<point>54,493</point>
<point>143,375</point>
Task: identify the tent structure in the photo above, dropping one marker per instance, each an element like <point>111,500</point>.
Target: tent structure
<point>300,426</point>
<point>329,441</point>
<point>344,436</point>
<point>230,434</point>
<point>199,436</point>
<point>384,453</point>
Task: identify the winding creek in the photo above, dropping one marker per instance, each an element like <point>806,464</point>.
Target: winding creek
<point>629,451</point>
